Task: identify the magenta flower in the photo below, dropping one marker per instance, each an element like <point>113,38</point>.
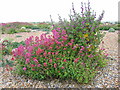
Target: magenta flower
<point>64,60</point>
<point>28,54</point>
<point>49,53</point>
<point>76,60</point>
<point>32,65</point>
<point>90,56</point>
<point>33,69</point>
<point>36,61</point>
<point>39,51</point>
<point>80,51</point>
<point>106,54</point>
<point>45,64</point>
<point>52,53</point>
<point>27,60</point>
<point>50,61</point>
<point>56,53</point>
<point>70,44</point>
<point>64,49</point>
<point>44,53</point>
<point>55,65</point>
<point>38,65</point>
<point>50,47</point>
<point>63,32</point>
<point>72,40</point>
<point>24,68</point>
<point>62,67</point>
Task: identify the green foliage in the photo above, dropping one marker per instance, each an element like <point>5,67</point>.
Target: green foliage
<point>18,36</point>
<point>43,26</point>
<point>8,46</point>
<point>107,27</point>
<point>111,30</point>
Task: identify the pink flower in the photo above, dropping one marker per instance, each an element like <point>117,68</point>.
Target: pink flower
<point>80,51</point>
<point>72,40</point>
<point>56,53</point>
<point>52,53</point>
<point>90,56</point>
<point>57,58</point>
<point>106,54</point>
<point>82,48</point>
<point>76,60</point>
<point>45,64</point>
<point>55,65</point>
<point>63,32</point>
<point>36,61</point>
<point>64,38</point>
<point>70,44</point>
<point>64,60</point>
<point>50,47</point>
<point>50,61</point>
<point>66,45</point>
<point>44,53</point>
<point>49,53</point>
<point>62,67</point>
<point>32,65</point>
<point>39,51</point>
<point>38,65</point>
<point>11,68</point>
<point>64,49</point>
<point>82,63</point>
<point>24,68</point>
<point>28,54</point>
<point>33,69</point>
<point>102,49</point>
<point>27,60</point>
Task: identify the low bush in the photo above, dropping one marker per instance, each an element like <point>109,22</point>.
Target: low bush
<point>72,52</point>
<point>107,27</point>
<point>8,46</point>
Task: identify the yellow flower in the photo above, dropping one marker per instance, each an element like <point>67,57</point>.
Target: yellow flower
<point>87,39</point>
<point>89,49</point>
<point>85,35</point>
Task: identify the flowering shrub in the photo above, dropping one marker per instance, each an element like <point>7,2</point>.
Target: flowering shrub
<point>71,52</point>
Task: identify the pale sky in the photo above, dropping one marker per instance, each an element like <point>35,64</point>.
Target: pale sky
<point>40,10</point>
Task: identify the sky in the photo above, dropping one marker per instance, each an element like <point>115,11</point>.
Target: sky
<point>40,10</point>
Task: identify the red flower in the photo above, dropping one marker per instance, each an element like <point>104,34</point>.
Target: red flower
<point>7,69</point>
<point>12,59</point>
<point>11,68</point>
